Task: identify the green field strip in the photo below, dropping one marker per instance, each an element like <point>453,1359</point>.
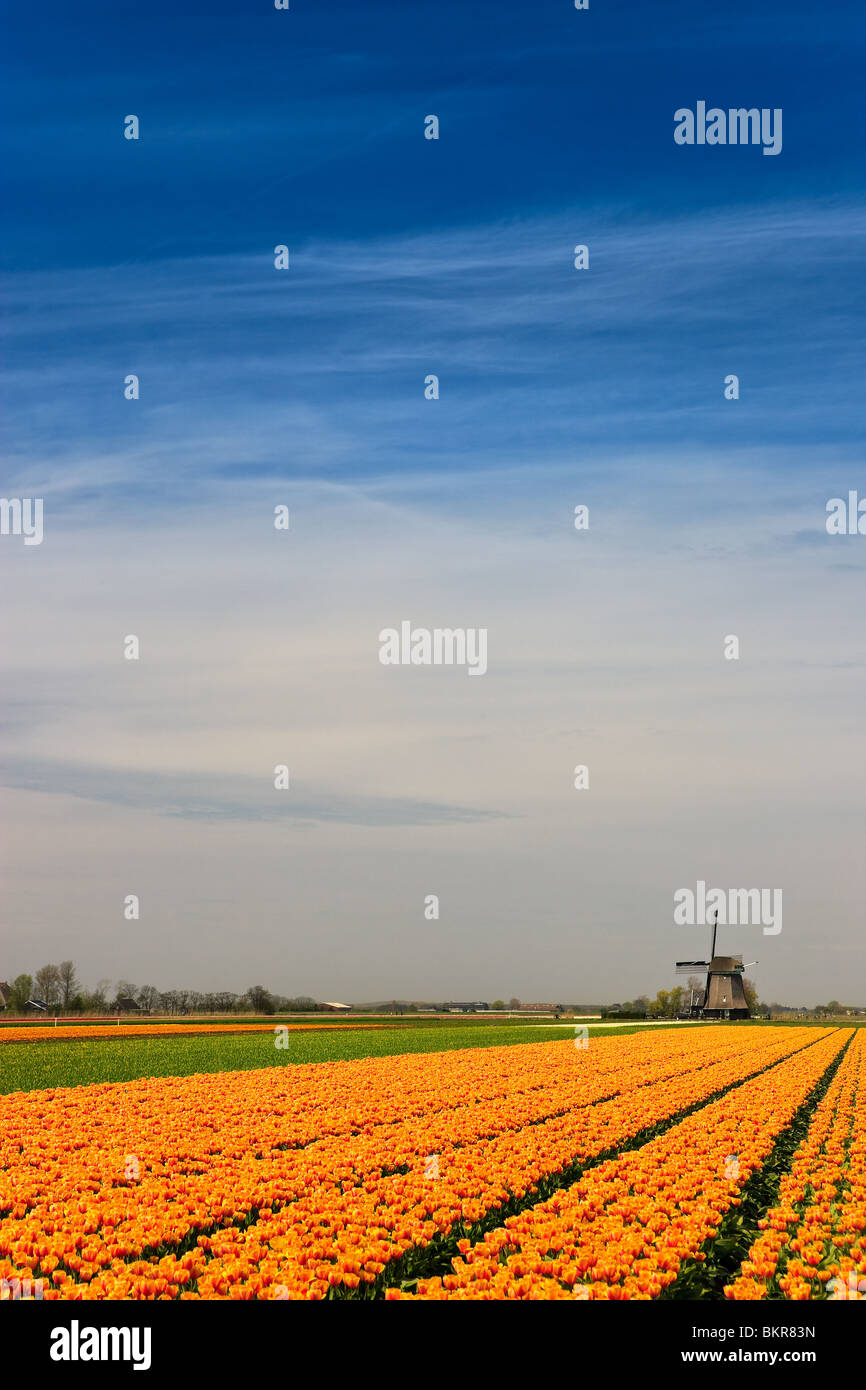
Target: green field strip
<point>38,1066</point>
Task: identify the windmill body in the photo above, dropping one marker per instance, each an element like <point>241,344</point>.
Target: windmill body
<point>723,995</point>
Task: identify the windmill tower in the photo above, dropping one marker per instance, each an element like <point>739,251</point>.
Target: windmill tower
<point>723,995</point>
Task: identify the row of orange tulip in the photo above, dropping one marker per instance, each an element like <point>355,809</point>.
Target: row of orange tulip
<point>814,1239</point>
<point>344,1227</point>
<point>624,1229</point>
<point>195,1121</point>
<point>348,1238</point>
<point>315,1153</point>
<point>163,1140</point>
<point>88,1137</point>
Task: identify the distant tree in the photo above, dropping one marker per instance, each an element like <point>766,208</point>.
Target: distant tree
<point>659,1006</point>
<point>667,1003</point>
<point>259,1000</point>
<point>89,1001</point>
<point>751,994</point>
<point>514,1003</point>
<point>21,991</point>
<point>125,990</point>
<point>641,1004</point>
<point>98,1001</point>
<point>148,997</point>
<point>498,1004</point>
<point>834,1007</point>
<point>68,983</point>
<point>48,985</point>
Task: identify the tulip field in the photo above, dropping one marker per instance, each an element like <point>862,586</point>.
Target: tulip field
<point>79,1032</point>
<point>721,1161</point>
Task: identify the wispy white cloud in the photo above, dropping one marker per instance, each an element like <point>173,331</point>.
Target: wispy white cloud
<point>605,647</point>
<point>320,371</point>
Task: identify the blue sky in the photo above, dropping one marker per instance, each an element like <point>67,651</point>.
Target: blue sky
<point>310,117</point>
<point>304,127</point>
<point>259,387</point>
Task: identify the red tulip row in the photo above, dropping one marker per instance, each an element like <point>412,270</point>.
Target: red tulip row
<point>33,1033</point>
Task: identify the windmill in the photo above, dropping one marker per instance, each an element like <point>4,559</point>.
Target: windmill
<point>723,996</point>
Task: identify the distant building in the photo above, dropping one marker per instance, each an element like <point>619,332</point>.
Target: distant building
<point>125,1005</point>
<point>472,1008</point>
<point>335,1008</point>
<point>6,1000</point>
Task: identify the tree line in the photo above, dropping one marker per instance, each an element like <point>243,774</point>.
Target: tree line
<point>670,1002</point>
<point>58,990</point>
